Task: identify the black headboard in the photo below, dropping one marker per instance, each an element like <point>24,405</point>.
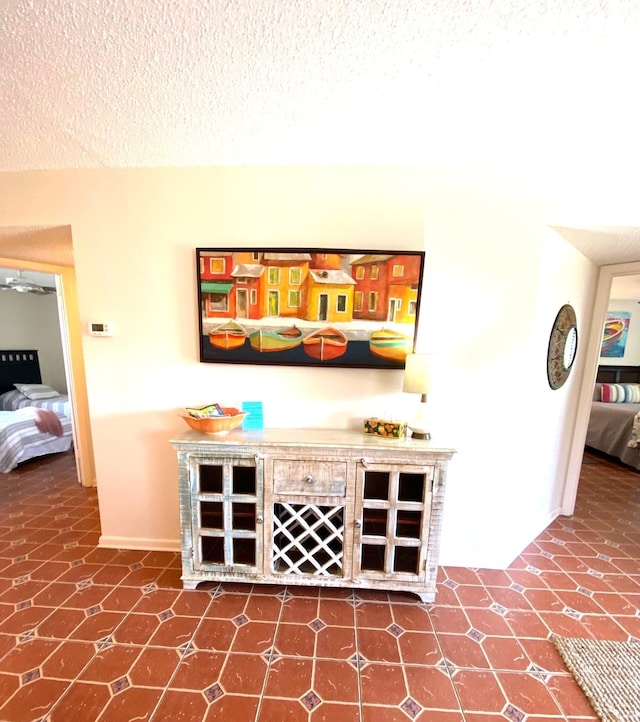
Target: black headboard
<point>18,367</point>
<point>618,375</point>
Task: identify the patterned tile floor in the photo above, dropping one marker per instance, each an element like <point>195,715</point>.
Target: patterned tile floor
<point>91,634</point>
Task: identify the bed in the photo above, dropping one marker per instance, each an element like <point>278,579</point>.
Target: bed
<point>21,438</point>
<point>22,368</point>
<point>614,422</point>
<point>29,427</point>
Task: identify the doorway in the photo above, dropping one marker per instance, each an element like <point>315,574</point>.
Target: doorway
<point>49,250</point>
<point>594,342</point>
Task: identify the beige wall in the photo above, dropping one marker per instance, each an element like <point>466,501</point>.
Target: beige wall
<point>495,278</point>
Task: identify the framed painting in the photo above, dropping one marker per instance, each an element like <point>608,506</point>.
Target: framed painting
<point>309,306</point>
<point>614,336</point>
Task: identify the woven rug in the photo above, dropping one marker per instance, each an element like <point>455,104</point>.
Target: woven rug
<point>609,674</point>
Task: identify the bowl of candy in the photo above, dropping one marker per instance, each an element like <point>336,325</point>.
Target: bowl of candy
<point>214,419</point>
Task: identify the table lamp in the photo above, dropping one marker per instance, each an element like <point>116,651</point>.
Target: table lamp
<point>417,380</point>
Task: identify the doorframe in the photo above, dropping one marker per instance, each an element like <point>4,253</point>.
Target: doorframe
<point>594,343</point>
<point>71,337</point>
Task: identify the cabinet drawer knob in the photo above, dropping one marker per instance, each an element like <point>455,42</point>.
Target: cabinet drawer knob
<point>309,479</point>
<point>358,523</point>
<point>259,519</point>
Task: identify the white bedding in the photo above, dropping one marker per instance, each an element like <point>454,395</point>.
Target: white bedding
<point>21,440</point>
<point>14,400</point>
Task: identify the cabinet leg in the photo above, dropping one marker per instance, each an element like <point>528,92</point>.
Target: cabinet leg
<point>189,584</point>
<point>426,597</point>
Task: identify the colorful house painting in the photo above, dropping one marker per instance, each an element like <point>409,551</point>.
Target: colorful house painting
<point>346,308</point>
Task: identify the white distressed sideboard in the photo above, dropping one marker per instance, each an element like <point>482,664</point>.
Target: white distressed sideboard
<point>311,507</point>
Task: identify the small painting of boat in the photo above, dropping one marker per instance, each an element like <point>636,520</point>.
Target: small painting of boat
<point>325,344</point>
<point>613,330</point>
<point>390,344</point>
<point>269,340</point>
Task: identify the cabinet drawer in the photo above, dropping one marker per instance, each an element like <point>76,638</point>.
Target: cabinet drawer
<point>311,478</point>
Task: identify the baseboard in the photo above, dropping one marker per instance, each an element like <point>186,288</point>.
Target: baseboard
<point>152,545</point>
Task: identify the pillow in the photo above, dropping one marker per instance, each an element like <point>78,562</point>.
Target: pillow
<point>620,393</point>
<point>12,400</point>
<point>36,391</point>
<point>597,392</point>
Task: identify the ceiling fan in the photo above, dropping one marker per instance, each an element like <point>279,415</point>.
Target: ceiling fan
<point>23,285</point>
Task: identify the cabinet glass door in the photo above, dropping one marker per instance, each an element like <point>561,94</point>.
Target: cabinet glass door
<point>227,505</point>
<point>392,521</point>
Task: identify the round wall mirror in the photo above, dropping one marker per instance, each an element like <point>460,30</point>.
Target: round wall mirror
<point>563,345</point>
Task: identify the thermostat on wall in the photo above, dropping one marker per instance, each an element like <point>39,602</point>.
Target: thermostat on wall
<point>100,329</point>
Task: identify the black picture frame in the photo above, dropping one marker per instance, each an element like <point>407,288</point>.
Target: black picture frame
<point>320,307</point>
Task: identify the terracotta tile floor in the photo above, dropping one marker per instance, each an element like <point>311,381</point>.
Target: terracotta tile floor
<point>92,634</point>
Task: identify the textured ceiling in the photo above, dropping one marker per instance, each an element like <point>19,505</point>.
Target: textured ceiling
<point>88,83</point>
<point>545,90</point>
<point>605,246</point>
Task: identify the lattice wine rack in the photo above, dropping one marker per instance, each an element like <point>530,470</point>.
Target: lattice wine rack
<point>308,539</point>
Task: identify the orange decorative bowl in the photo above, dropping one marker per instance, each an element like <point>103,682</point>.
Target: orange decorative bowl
<point>217,425</point>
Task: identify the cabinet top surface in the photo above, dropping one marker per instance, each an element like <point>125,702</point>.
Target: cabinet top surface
<point>322,438</point>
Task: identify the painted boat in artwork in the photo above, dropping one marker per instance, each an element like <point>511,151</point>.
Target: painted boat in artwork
<point>325,343</point>
<point>227,336</point>
<point>613,329</point>
<point>265,340</point>
<point>390,344</point>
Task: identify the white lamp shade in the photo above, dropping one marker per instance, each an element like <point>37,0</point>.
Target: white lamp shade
<point>417,376</point>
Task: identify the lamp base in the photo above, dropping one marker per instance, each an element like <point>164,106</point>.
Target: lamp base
<point>421,422</point>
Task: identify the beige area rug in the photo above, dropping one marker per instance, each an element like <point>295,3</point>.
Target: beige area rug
<point>609,674</point>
